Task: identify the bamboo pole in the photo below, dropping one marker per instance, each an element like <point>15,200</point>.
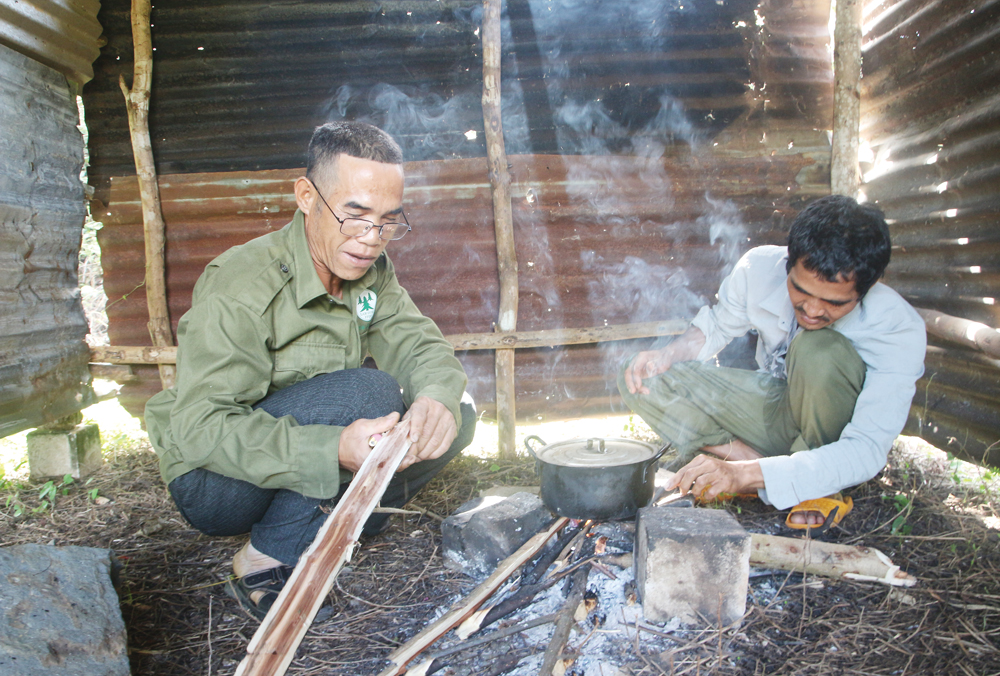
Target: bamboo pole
<point>274,644</point>
<point>844,179</point>
<point>137,105</point>
<point>118,354</point>
<point>503,224</point>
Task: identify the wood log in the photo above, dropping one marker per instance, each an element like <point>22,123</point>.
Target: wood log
<point>273,645</point>
<point>844,178</point>
<point>503,223</point>
<point>402,655</point>
<point>968,333</point>
<point>137,106</point>
<point>118,354</point>
<point>826,559</point>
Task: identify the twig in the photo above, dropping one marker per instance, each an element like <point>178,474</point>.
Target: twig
<point>209,636</point>
<point>565,622</point>
<point>466,645</point>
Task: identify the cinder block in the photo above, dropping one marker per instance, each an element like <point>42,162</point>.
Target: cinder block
<point>692,564</point>
<point>485,531</point>
<point>76,452</point>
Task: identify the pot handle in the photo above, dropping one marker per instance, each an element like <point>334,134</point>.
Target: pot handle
<point>652,461</point>
<point>528,445</point>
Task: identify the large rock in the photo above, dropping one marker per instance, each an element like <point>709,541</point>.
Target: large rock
<point>59,613</point>
<point>485,531</point>
<point>691,564</point>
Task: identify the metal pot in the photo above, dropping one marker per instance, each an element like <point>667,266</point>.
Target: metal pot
<point>596,478</point>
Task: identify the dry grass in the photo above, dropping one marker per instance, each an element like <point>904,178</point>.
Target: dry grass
<point>180,622</point>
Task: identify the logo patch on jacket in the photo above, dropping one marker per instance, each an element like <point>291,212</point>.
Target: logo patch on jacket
<point>366,305</point>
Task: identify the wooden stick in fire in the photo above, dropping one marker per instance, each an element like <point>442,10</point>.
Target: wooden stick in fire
<point>405,653</point>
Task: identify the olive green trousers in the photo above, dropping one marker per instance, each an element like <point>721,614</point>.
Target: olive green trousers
<point>694,404</point>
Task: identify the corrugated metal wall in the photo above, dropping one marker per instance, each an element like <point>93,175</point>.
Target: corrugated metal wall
<point>600,241</point>
<point>931,116</point>
<point>659,140</point>
<point>43,357</point>
<point>238,86</point>
<point>62,34</point>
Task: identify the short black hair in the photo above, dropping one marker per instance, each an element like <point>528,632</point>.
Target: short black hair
<point>841,240</point>
<point>357,139</point>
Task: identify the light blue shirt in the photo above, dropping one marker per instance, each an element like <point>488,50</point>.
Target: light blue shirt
<point>888,335</point>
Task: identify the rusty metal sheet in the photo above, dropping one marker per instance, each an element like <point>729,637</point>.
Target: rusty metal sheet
<point>43,356</point>
<point>239,86</point>
<point>931,121</point>
<point>600,241</point>
<point>62,34</point>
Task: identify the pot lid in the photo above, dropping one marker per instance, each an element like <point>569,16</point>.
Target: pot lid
<point>596,452</point>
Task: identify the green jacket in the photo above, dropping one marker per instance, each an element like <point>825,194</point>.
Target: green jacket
<point>261,320</point>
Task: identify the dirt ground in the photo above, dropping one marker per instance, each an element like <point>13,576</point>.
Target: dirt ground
<point>929,519</point>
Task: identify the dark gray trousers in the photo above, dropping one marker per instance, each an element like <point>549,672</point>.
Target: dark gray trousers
<point>283,523</point>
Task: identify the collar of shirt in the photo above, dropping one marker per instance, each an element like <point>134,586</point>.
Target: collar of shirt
<point>305,280</point>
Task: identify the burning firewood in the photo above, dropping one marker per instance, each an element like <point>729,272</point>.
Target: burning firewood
<point>404,654</point>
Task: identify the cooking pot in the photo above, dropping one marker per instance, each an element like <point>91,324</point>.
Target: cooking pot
<point>597,478</point>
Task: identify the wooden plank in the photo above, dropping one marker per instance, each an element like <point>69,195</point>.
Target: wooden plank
<point>273,646</point>
<point>118,354</point>
<point>402,655</point>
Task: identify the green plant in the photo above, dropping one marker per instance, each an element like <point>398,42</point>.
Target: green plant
<point>904,507</point>
<point>92,494</point>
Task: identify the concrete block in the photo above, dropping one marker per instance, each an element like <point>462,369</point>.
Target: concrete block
<point>485,531</point>
<point>60,613</point>
<point>53,453</point>
<point>691,564</point>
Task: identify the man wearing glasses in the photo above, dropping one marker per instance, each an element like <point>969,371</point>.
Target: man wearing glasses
<point>273,411</point>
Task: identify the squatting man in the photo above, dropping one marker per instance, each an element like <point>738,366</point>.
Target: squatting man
<point>272,410</point>
<point>839,355</point>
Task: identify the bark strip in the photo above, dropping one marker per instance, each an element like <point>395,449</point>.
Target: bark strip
<point>137,106</point>
<point>274,644</point>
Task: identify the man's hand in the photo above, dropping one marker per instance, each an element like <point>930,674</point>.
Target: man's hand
<point>432,429</point>
<point>354,448</point>
<point>706,477</point>
<point>654,362</point>
<point>646,365</point>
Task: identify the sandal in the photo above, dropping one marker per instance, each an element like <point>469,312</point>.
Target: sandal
<point>270,581</point>
<point>833,508</point>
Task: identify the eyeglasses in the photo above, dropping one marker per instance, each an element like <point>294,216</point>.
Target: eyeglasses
<point>359,227</point>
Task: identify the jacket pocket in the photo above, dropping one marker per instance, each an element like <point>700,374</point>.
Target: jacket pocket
<point>300,361</point>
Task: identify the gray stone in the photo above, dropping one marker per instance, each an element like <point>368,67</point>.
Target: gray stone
<point>485,531</point>
<point>691,564</point>
<point>56,453</point>
<point>59,613</point>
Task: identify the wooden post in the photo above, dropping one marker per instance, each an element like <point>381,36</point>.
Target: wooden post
<point>844,179</point>
<point>137,105</point>
<point>503,223</point>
